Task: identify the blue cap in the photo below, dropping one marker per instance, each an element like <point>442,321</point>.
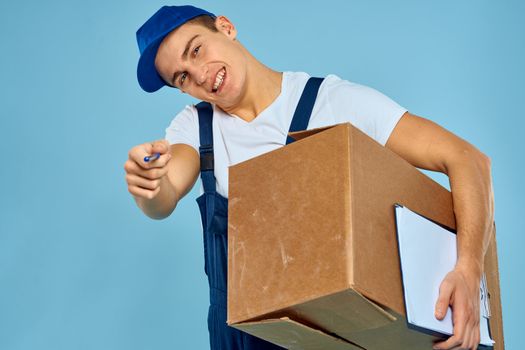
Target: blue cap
<point>151,34</point>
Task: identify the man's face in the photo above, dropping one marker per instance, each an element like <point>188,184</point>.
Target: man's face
<point>209,66</point>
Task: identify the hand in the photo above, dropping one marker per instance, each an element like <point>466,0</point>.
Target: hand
<point>144,178</point>
<point>460,290</point>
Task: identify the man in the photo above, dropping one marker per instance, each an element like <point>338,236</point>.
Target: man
<point>192,50</point>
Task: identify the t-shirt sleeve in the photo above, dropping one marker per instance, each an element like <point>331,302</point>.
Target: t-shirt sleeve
<point>366,108</point>
<point>184,128</point>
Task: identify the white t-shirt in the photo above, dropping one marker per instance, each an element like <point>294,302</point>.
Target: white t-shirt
<point>235,140</point>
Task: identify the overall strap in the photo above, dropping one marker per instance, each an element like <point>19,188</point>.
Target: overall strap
<point>305,106</point>
<point>205,110</point>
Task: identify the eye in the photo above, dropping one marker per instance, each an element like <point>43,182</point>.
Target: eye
<point>196,50</point>
<point>182,78</point>
<point>184,74</point>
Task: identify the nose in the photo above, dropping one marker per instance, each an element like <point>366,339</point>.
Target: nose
<point>201,73</point>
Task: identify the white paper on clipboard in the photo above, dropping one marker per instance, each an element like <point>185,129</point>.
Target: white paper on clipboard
<point>427,253</point>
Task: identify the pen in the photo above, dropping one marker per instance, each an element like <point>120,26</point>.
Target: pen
<point>152,157</point>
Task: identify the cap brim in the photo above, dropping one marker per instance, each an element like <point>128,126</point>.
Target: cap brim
<point>147,75</point>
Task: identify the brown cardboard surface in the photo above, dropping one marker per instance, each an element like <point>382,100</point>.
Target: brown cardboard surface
<point>492,274</point>
<point>343,312</point>
<point>314,221</point>
<point>294,335</point>
<point>349,316</point>
<point>380,178</point>
<point>271,267</point>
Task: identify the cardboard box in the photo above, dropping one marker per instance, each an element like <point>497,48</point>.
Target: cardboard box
<point>313,259</point>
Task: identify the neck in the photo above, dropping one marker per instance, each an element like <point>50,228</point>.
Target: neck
<point>263,86</point>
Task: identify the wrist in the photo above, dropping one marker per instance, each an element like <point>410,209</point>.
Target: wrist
<point>470,267</point>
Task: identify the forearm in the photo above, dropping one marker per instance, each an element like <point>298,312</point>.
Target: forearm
<point>473,200</point>
<point>163,204</point>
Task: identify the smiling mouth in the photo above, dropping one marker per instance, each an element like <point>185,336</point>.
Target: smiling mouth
<point>219,79</point>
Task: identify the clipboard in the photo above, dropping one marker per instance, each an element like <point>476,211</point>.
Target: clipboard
<point>427,252</point>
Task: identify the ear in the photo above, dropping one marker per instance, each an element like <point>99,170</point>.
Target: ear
<point>225,26</point>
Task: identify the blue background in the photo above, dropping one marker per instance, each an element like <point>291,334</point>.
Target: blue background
<point>82,268</point>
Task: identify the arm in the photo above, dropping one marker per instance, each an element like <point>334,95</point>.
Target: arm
<point>426,145</point>
<point>183,170</point>
<point>158,187</point>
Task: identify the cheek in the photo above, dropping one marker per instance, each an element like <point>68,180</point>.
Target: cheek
<point>239,75</point>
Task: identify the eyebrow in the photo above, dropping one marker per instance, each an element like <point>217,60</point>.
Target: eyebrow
<point>183,57</point>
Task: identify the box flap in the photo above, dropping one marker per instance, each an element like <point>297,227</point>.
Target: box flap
<point>344,313</point>
<point>294,335</point>
<point>298,135</point>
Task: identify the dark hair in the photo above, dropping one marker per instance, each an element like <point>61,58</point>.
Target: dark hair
<point>205,21</point>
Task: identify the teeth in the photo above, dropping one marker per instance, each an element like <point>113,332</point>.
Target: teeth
<point>218,79</point>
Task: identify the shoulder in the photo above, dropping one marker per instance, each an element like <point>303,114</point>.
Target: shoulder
<point>184,127</point>
<point>187,113</point>
<point>336,87</point>
<point>187,117</point>
<point>295,81</point>
<point>332,88</point>
<point>341,93</point>
<point>365,107</point>
<point>331,84</point>
<point>293,76</point>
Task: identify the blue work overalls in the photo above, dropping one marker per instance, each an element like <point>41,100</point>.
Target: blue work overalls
<point>214,214</point>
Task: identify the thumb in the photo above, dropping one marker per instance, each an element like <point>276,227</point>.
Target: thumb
<point>160,146</point>
<point>445,293</point>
